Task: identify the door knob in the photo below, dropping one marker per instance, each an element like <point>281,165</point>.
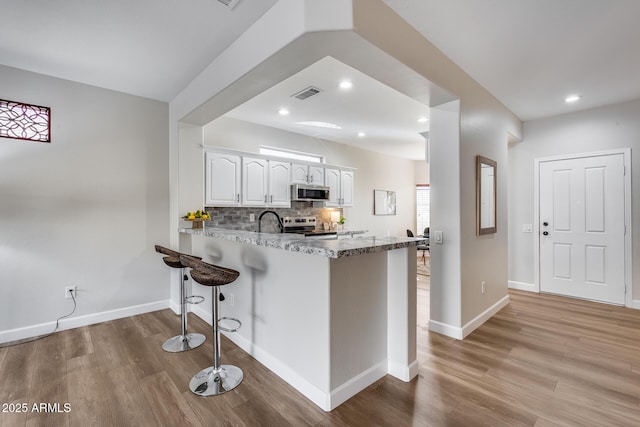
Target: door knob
<point>545,233</point>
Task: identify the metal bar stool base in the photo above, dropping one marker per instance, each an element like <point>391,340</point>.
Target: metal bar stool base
<point>183,343</point>
<point>210,383</point>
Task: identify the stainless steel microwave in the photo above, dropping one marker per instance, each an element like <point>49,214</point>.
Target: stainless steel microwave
<point>309,193</point>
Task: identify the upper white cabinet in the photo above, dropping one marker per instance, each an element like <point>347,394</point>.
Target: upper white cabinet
<point>307,174</point>
<point>265,182</point>
<point>340,183</point>
<point>346,187</point>
<point>222,179</point>
<point>279,183</point>
<point>255,175</point>
<point>235,179</point>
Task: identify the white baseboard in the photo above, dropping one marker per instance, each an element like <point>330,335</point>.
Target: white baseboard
<point>403,372</point>
<point>445,329</point>
<point>484,316</point>
<point>461,333</point>
<point>326,401</point>
<point>635,304</point>
<point>522,286</point>
<point>175,307</point>
<point>355,385</point>
<point>78,321</point>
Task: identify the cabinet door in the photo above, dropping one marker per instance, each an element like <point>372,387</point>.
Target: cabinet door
<point>332,180</point>
<point>346,188</point>
<point>254,182</point>
<point>299,174</point>
<point>316,175</point>
<point>222,179</point>
<point>279,183</point>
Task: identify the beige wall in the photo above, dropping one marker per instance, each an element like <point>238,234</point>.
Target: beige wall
<point>599,129</point>
<point>84,210</point>
<point>373,170</point>
<point>369,36</point>
<point>485,125</point>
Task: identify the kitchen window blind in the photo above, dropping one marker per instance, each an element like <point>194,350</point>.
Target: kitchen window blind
<point>423,203</point>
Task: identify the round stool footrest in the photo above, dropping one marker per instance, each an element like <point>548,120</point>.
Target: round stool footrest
<point>229,329</point>
<point>190,300</point>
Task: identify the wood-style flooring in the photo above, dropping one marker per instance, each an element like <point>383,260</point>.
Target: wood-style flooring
<point>541,361</point>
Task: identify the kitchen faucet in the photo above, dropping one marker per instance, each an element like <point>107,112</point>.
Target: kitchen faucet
<point>280,226</point>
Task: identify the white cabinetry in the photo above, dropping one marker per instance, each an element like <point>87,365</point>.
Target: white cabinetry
<point>265,182</point>
<point>255,174</point>
<point>222,179</point>
<point>346,188</point>
<point>279,183</point>
<point>307,174</point>
<point>235,179</point>
<point>340,183</point>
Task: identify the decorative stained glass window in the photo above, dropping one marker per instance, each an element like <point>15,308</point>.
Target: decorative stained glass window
<point>25,121</point>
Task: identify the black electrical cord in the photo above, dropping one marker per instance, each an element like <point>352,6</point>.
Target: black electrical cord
<point>39,337</point>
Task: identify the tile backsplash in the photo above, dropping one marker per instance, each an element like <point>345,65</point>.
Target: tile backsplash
<point>238,218</point>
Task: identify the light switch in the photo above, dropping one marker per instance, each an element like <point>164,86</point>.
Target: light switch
<point>527,228</point>
<point>437,237</point>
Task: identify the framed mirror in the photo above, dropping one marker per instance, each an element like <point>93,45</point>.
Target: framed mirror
<point>486,179</point>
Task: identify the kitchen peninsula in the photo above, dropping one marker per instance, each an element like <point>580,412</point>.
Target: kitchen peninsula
<point>329,316</point>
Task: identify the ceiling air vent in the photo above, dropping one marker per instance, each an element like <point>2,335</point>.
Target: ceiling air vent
<point>306,93</point>
<point>230,3</point>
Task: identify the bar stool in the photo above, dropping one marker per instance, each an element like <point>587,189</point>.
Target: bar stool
<point>216,379</point>
<point>185,341</point>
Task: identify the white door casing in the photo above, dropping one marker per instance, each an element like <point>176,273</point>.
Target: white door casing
<point>582,212</point>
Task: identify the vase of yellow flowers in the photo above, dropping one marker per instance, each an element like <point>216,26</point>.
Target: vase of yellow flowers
<point>197,218</point>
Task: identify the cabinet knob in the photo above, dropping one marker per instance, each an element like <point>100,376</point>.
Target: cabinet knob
<point>545,223</point>
<point>545,233</point>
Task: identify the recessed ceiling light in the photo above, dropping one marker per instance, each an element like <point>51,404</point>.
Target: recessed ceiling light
<point>422,120</point>
<point>283,112</point>
<point>572,98</point>
<point>320,125</point>
<point>345,84</point>
<point>361,134</point>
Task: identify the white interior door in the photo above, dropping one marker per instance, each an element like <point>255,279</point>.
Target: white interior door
<point>582,226</point>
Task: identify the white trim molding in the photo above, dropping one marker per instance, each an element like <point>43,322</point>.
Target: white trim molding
<point>628,243</point>
<point>472,325</point>
<point>476,322</point>
<point>78,321</point>
<point>522,286</point>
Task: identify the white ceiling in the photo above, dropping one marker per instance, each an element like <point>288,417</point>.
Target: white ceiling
<point>149,48</point>
<point>388,118</point>
<point>529,53</point>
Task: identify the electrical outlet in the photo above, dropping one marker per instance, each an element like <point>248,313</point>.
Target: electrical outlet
<point>70,290</point>
<point>252,217</point>
<point>482,286</point>
<point>232,300</point>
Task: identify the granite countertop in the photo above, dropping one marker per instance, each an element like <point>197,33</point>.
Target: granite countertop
<point>331,248</point>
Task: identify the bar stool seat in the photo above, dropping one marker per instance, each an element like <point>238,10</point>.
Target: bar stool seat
<point>185,341</point>
<point>216,379</point>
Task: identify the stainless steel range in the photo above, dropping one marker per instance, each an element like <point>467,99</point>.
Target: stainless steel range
<point>305,225</point>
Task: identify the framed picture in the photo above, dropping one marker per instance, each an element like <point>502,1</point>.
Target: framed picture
<point>384,202</point>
